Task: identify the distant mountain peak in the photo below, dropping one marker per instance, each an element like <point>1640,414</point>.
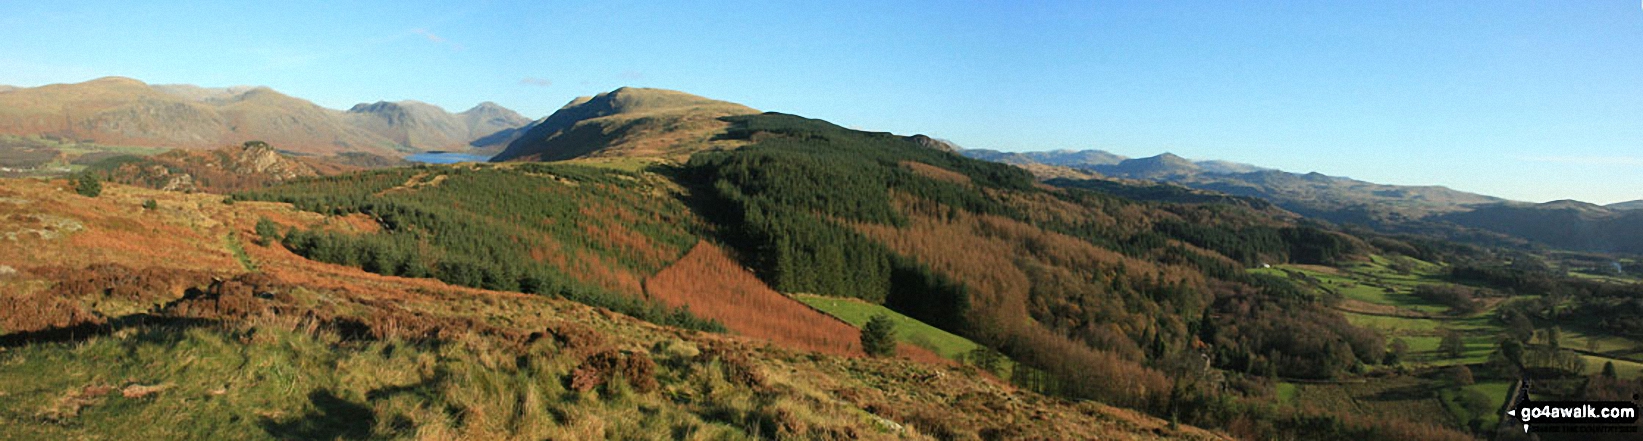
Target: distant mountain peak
<point>1571,204</point>
<point>372,107</point>
<point>933,143</point>
<point>427,126</point>
<point>117,80</point>
<point>629,121</point>
<point>203,94</point>
<point>641,99</point>
<point>1628,205</point>
<point>401,105</point>
<point>261,93</point>
<point>487,107</point>
<point>1170,159</point>
<point>1154,167</point>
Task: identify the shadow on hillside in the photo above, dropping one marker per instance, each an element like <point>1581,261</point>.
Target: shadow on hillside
<point>722,214</point>
<point>84,331</point>
<point>332,418</point>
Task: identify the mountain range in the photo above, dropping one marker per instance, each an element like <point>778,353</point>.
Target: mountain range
<point>1391,208</point>
<point>127,112</point>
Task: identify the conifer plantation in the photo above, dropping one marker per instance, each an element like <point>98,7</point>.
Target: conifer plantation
<point>586,234</point>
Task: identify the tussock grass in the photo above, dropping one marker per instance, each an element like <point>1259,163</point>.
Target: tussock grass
<point>275,382</point>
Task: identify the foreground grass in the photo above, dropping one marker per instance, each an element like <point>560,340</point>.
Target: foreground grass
<point>164,382</point>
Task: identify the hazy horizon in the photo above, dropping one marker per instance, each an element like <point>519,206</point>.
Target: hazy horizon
<point>1518,100</point>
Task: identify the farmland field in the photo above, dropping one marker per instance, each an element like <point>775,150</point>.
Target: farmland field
<point>1378,295</point>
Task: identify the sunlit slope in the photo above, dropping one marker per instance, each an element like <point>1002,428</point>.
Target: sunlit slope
<point>627,122</point>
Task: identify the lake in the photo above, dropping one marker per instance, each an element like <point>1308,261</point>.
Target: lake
<point>446,158</point>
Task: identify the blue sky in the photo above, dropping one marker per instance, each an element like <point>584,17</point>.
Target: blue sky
<point>1532,101</point>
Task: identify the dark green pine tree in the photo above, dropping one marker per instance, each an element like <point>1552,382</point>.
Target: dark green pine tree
<point>89,186</point>
<point>878,337</point>
<point>267,231</point>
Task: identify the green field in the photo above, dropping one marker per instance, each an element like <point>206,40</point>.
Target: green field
<point>908,330</point>
<point>1403,397</point>
<point>1373,282</point>
<point>1622,368</point>
<point>60,157</point>
<point>1604,277</point>
<point>1592,340</point>
<point>1495,391</point>
<point>1376,282</point>
<point>1286,392</point>
<point>1424,335</point>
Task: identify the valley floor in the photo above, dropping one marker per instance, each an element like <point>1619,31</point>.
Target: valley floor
<point>1376,296</point>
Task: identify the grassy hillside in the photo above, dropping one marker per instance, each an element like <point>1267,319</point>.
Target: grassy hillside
<point>908,330</point>
<point>628,123</point>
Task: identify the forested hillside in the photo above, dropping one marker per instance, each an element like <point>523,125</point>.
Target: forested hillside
<point>1102,297</point>
<point>1143,305</point>
<point>587,234</point>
